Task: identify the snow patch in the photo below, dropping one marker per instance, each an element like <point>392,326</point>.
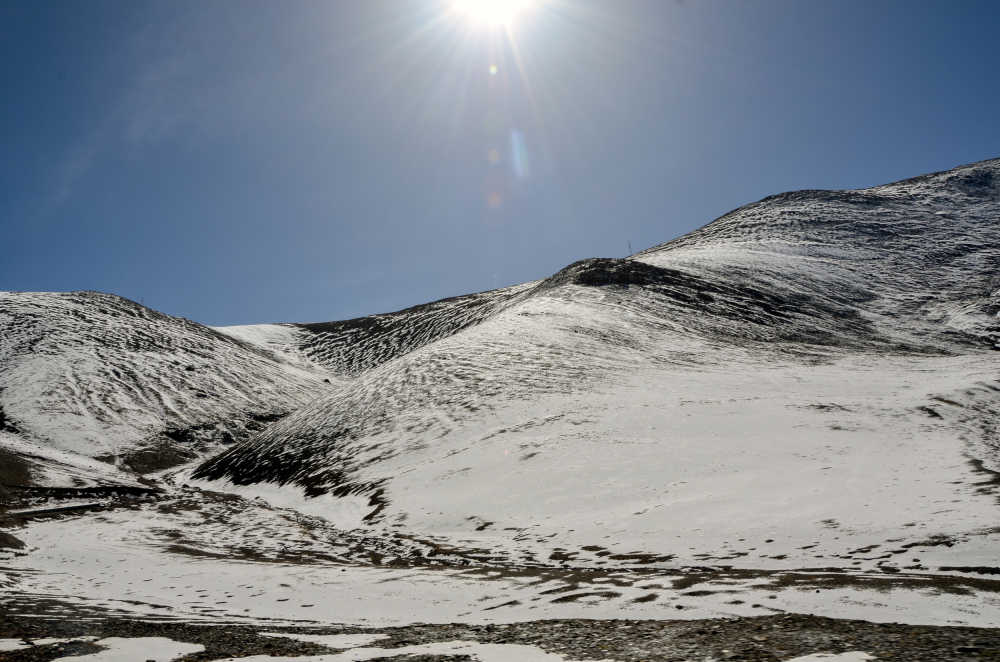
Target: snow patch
<point>283,340</point>
<point>346,512</point>
<point>852,656</point>
<point>121,649</point>
<point>51,467</point>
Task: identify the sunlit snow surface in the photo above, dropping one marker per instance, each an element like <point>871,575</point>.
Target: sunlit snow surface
<point>865,485</point>
<point>792,409</point>
<point>121,649</point>
<point>852,656</point>
<point>118,649</point>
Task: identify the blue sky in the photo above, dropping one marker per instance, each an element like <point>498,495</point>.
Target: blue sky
<point>244,161</point>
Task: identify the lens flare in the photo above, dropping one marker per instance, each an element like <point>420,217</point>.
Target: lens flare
<point>519,155</point>
<point>492,13</point>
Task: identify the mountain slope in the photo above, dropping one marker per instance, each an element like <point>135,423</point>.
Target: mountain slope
<point>791,410</point>
<point>354,346</point>
<point>920,257</point>
<point>86,375</point>
<point>736,377</point>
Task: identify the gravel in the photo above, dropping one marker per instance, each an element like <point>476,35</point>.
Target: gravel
<point>767,638</point>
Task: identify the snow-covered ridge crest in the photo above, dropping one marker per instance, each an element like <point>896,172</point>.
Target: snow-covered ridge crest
<point>908,268</point>
<point>920,257</point>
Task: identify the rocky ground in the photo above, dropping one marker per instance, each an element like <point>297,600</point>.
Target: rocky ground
<point>762,639</point>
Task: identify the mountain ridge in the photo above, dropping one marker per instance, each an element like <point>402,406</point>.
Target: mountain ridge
<point>799,271</point>
<point>808,288</point>
<point>797,403</point>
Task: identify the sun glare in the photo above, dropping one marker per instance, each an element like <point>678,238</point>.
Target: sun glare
<point>492,13</point>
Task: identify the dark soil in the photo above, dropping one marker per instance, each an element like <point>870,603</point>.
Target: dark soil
<point>14,471</point>
<point>761,639</point>
<point>7,541</point>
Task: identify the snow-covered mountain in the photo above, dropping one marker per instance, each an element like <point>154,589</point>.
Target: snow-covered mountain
<point>94,387</point>
<point>800,397</point>
<point>815,357</point>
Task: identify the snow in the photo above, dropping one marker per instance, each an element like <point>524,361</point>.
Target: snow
<point>98,376</point>
<point>761,463</point>
<point>343,512</point>
<point>915,257</point>
<point>792,409</point>
<point>283,340</point>
<point>351,347</point>
<point>51,467</point>
<point>148,564</point>
<point>120,649</point>
<point>274,337</point>
<point>805,383</point>
<point>852,656</point>
<point>163,650</point>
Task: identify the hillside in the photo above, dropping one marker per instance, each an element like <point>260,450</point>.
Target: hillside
<point>792,409</point>
<point>86,376</point>
<point>734,380</point>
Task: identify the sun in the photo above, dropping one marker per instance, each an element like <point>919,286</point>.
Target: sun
<point>492,13</point>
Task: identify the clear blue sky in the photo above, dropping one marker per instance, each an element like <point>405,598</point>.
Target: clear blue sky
<point>243,161</point>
